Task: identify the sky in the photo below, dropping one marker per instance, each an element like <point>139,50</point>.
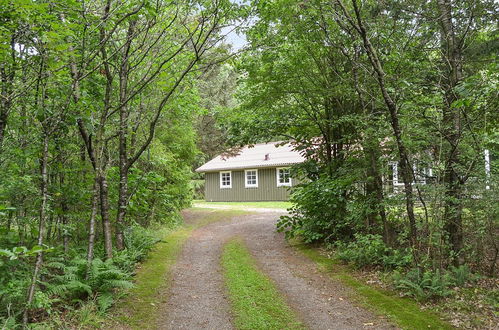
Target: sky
<point>238,41</point>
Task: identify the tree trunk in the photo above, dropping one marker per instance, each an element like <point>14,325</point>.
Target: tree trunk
<point>41,227</point>
<point>64,218</point>
<point>374,191</point>
<point>122,207</point>
<point>3,125</point>
<point>123,152</point>
<point>405,165</point>
<point>451,121</point>
<point>91,226</point>
<point>106,223</point>
<point>6,83</point>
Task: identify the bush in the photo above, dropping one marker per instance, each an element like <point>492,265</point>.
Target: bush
<point>366,250</point>
<point>319,212</point>
<point>138,242</point>
<point>371,250</point>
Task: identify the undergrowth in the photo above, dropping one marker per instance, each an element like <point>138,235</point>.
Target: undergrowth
<point>405,312</point>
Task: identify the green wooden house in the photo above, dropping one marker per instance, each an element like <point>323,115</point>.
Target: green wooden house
<point>256,173</point>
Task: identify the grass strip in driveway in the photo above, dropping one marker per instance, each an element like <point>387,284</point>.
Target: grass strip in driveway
<point>404,312</point>
<point>140,308</point>
<point>256,302</point>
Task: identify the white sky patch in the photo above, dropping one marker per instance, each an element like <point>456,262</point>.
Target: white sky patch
<point>237,40</point>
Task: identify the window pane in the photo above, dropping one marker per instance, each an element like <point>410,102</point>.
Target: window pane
<point>225,179</point>
<point>284,176</point>
<point>251,178</point>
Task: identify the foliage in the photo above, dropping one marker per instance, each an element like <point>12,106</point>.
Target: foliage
<point>382,98</point>
<point>429,284</point>
<point>404,312</point>
<point>97,141</point>
<point>423,285</point>
<point>371,250</point>
<point>72,281</point>
<point>319,212</point>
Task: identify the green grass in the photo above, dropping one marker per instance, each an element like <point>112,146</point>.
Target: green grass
<point>140,308</point>
<point>255,300</point>
<point>404,312</point>
<point>242,205</point>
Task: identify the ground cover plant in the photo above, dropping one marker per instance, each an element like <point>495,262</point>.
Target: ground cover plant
<point>256,302</point>
<point>402,311</point>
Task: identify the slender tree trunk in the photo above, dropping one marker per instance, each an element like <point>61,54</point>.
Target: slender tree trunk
<point>91,225</point>
<point>106,223</point>
<point>451,120</point>
<point>6,85</point>
<point>41,227</point>
<point>374,191</point>
<point>405,165</point>
<point>3,125</point>
<point>122,207</point>
<point>123,151</point>
<point>64,218</point>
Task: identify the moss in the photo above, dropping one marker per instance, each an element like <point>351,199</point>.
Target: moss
<point>404,312</point>
<point>256,302</point>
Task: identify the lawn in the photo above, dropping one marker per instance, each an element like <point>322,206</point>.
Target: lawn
<point>255,300</point>
<point>244,205</point>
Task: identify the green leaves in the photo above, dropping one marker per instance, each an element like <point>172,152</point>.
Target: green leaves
<point>22,251</point>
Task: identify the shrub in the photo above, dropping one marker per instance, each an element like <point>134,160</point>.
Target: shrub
<point>138,242</point>
<point>366,250</point>
<point>319,212</point>
<point>371,250</point>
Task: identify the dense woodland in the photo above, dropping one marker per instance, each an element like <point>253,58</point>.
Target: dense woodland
<point>97,140</point>
<point>361,86</point>
<point>106,106</point>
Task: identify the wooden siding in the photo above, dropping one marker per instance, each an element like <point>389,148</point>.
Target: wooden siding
<point>267,188</point>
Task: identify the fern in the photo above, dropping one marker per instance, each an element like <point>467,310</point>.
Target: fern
<point>104,301</point>
<point>423,285</point>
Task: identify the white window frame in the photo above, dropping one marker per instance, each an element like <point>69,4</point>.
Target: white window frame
<point>246,185</point>
<point>230,180</point>
<point>279,184</point>
<point>395,172</point>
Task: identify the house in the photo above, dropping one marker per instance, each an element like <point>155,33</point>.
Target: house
<point>259,172</point>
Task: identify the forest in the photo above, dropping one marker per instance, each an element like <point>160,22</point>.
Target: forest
<point>107,106</point>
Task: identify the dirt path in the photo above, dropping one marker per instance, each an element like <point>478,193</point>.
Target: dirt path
<point>197,296</point>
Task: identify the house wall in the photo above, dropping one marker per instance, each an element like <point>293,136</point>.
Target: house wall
<point>267,188</point>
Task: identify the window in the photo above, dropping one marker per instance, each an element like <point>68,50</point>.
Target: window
<point>226,179</point>
<point>283,177</point>
<point>394,175</point>
<point>251,178</point>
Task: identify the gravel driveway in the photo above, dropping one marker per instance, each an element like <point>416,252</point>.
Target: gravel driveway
<point>197,297</point>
